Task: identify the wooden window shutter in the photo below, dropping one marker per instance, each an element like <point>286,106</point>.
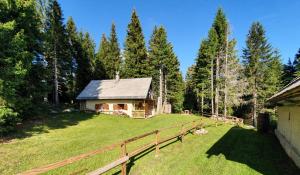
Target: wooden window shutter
<point>105,106</point>
<point>97,106</point>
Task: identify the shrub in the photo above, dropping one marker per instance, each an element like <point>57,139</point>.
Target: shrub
<point>8,120</point>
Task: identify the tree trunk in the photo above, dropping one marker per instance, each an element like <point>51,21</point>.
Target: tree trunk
<point>226,76</point>
<point>56,98</point>
<point>217,86</point>
<point>254,107</point>
<point>202,99</point>
<point>159,100</point>
<point>212,86</point>
<point>165,90</point>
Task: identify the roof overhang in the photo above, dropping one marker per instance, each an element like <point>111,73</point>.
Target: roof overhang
<point>111,98</point>
<point>289,95</point>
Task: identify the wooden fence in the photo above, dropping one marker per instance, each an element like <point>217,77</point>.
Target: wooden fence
<point>125,154</point>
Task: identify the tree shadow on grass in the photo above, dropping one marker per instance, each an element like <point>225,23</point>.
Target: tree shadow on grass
<point>46,123</point>
<point>261,152</point>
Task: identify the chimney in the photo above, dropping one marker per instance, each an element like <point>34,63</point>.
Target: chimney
<point>117,76</point>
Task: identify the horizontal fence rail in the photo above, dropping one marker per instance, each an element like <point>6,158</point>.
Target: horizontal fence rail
<point>125,155</point>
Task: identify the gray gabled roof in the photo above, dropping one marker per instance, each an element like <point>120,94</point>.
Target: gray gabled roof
<point>135,88</point>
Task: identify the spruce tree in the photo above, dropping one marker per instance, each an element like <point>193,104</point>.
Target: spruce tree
<point>57,50</point>
<point>272,75</point>
<point>102,61</point>
<point>205,70</point>
<point>289,72</point>
<point>135,53</point>
<point>74,44</point>
<point>190,96</point>
<point>297,63</point>
<point>162,56</point>
<point>174,80</point>
<point>262,65</point>
<point>202,74</point>
<point>85,61</point>
<point>158,55</point>
<point>112,64</point>
<point>221,27</point>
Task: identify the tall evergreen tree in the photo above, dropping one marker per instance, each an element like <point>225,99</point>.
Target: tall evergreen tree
<point>135,52</point>
<point>102,59</point>
<point>272,68</point>
<point>289,72</point>
<point>74,44</point>
<point>221,27</point>
<point>162,56</point>
<point>217,70</point>
<point>158,55</point>
<point>259,60</point>
<point>212,51</point>
<point>57,50</point>
<point>202,75</point>
<point>297,63</point>
<point>190,96</point>
<point>85,61</point>
<point>113,60</point>
<point>174,81</point>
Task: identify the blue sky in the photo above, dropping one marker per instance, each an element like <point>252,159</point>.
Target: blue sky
<point>187,22</point>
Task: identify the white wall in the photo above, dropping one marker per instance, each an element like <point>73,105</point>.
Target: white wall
<point>90,104</point>
<point>288,130</point>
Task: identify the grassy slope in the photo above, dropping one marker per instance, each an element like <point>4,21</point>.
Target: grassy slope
<point>224,150</point>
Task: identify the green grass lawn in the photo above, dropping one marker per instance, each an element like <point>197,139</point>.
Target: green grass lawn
<point>224,150</point>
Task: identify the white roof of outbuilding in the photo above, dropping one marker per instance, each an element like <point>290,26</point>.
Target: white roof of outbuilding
<point>288,91</point>
<point>135,88</point>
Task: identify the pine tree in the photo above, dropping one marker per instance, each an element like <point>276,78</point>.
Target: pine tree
<point>85,61</point>
<point>190,95</point>
<point>202,74</point>
<point>135,53</point>
<point>113,60</point>
<point>74,44</point>
<point>289,72</point>
<point>57,50</point>
<point>205,70</point>
<point>221,27</point>
<point>174,81</point>
<point>272,75</point>
<point>212,51</point>
<point>297,63</point>
<point>162,56</point>
<point>102,59</point>
<point>158,55</point>
<point>262,66</point>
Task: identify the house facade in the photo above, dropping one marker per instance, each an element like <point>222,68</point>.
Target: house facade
<point>132,97</point>
<point>288,128</point>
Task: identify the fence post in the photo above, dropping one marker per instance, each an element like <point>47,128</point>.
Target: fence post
<point>123,153</point>
<point>182,132</point>
<point>157,144</point>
